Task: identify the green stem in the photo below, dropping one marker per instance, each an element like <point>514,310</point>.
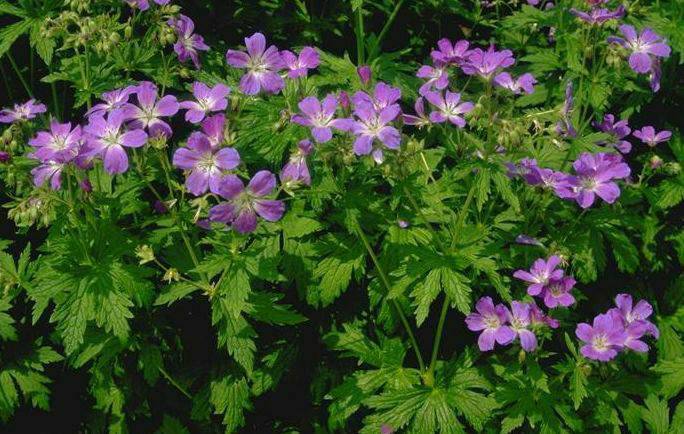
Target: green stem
<point>388,286</point>
<point>360,35</point>
<point>19,74</point>
<point>419,211</point>
<point>55,101</point>
<point>390,20</point>
<point>180,388</point>
<point>4,79</point>
<point>438,336</point>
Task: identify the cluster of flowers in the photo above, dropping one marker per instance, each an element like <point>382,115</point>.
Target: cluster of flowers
<point>499,324</point>
<point>595,175</point>
<point>621,328</point>
<point>645,50</point>
<point>598,15</point>
<point>548,282</point>
<point>619,130</point>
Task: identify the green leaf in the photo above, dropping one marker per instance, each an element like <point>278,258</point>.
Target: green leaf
<point>7,330</point>
<point>335,271</point>
<point>44,46</point>
<point>656,415</point>
<point>230,397</point>
<point>175,292</point>
<point>263,307</point>
<point>171,425</point>
<point>11,32</point>
<point>482,187</point>
<point>672,376</point>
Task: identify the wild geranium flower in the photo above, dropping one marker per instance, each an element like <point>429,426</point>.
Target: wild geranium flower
<point>188,43</point>
<point>537,316</point>
<point>448,108</point>
<point>450,54</point>
<point>27,110</point>
<point>618,130</point>
<point>487,64</point>
<point>244,204</point>
<point>639,313</point>
<point>437,77</point>
<point>603,339</point>
<point>208,99</point>
<point>319,116</point>
<point>655,75</point>
<point>599,16</point>
<point>644,47</point>
<point>491,320</point>
<point>383,96</point>
<point>564,126</point>
<point>262,66</point>
<point>296,170</point>
<point>48,171</point>
<point>528,240</point>
<point>519,320</point>
<point>557,292</point>
<point>147,114</point>
<point>649,136</point>
<point>60,144</point>
<point>214,128</point>
<point>594,177</point>
<point>107,138</point>
<point>112,100</point>
<point>299,66</point>
<point>420,119</point>
<point>206,163</point>
<point>371,125</point>
<point>524,83</point>
<point>541,273</point>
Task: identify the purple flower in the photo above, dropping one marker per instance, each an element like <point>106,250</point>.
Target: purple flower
<point>261,63</point>
<point>437,77</point>
<point>487,63</point>
<point>50,170</point>
<point>205,162</point>
<point>5,157</point>
<point>86,186</point>
<point>450,54</point>
<point>526,239</point>
<point>448,108</point>
<point>402,223</point>
<point>107,138</point>
<point>519,318</point>
<point>603,340</point>
<point>149,110</point>
<point>299,65</point>
<point>370,125</point>
<point>112,100</point>
<point>564,126</point>
<point>420,119</point>
<point>296,171</point>
<point>214,128</point>
<point>541,273</point>
<point>619,130</point>
<point>320,117</point>
<point>649,136</point>
<point>364,72</point>
<point>244,204</point>
<point>27,110</point>
<point>558,292</point>
<point>655,75</point>
<point>384,95</point>
<point>631,314</point>
<point>209,99</point>
<point>537,316</point>
<point>524,83</point>
<point>60,144</point>
<point>492,321</point>
<point>643,47</point>
<point>386,429</point>
<point>595,175</point>
<point>599,16</point>
<point>188,44</point>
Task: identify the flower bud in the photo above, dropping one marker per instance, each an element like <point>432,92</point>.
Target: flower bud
<point>171,275</point>
<point>144,253</point>
<point>655,162</point>
<point>365,73</point>
<point>4,157</point>
<point>86,186</point>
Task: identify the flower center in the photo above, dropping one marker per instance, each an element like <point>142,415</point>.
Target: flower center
<point>588,183</point>
<point>492,321</point>
<point>207,163</point>
<point>600,342</point>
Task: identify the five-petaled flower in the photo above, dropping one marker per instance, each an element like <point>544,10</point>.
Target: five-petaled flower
<point>149,111</point>
<point>208,99</point>
<point>491,320</point>
<point>540,274</point>
<point>519,318</point>
<point>449,107</point>
<point>60,144</point>
<point>649,136</point>
<point>107,138</point>
<point>298,66</point>
<point>262,66</point>
<point>296,170</point>
<point>27,110</point>
<point>319,116</point>
<point>603,339</point>
<point>644,47</point>
<point>595,175</point>
<point>188,43</point>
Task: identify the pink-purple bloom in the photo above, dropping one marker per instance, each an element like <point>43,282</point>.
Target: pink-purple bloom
<point>188,43</point>
<point>27,110</point>
<point>207,100</point>
<point>262,66</point>
<point>371,125</point>
<point>60,144</point>
<point>519,318</point>
<point>450,54</point>
<point>421,118</point>
<point>149,111</point>
<point>48,171</point>
<point>618,130</point>
<point>487,64</point>
<point>644,47</point>
<point>108,138</point>
<point>437,77</point>
<point>244,204</point>
<point>449,107</point>
<point>603,339</point>
<point>565,127</point>
<point>491,321</point>
<point>364,72</point>
<point>598,16</point>
<point>541,273</point>
<point>630,313</point>
<point>595,176</point>
<point>558,292</point>
<point>383,96</point>
<point>524,83</point>
<point>320,117</point>
<point>649,136</point>
<point>299,66</point>
<point>113,100</point>
<point>296,170</point>
<point>206,163</point>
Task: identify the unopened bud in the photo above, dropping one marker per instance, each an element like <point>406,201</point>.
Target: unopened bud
<point>364,72</point>
<point>144,253</point>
